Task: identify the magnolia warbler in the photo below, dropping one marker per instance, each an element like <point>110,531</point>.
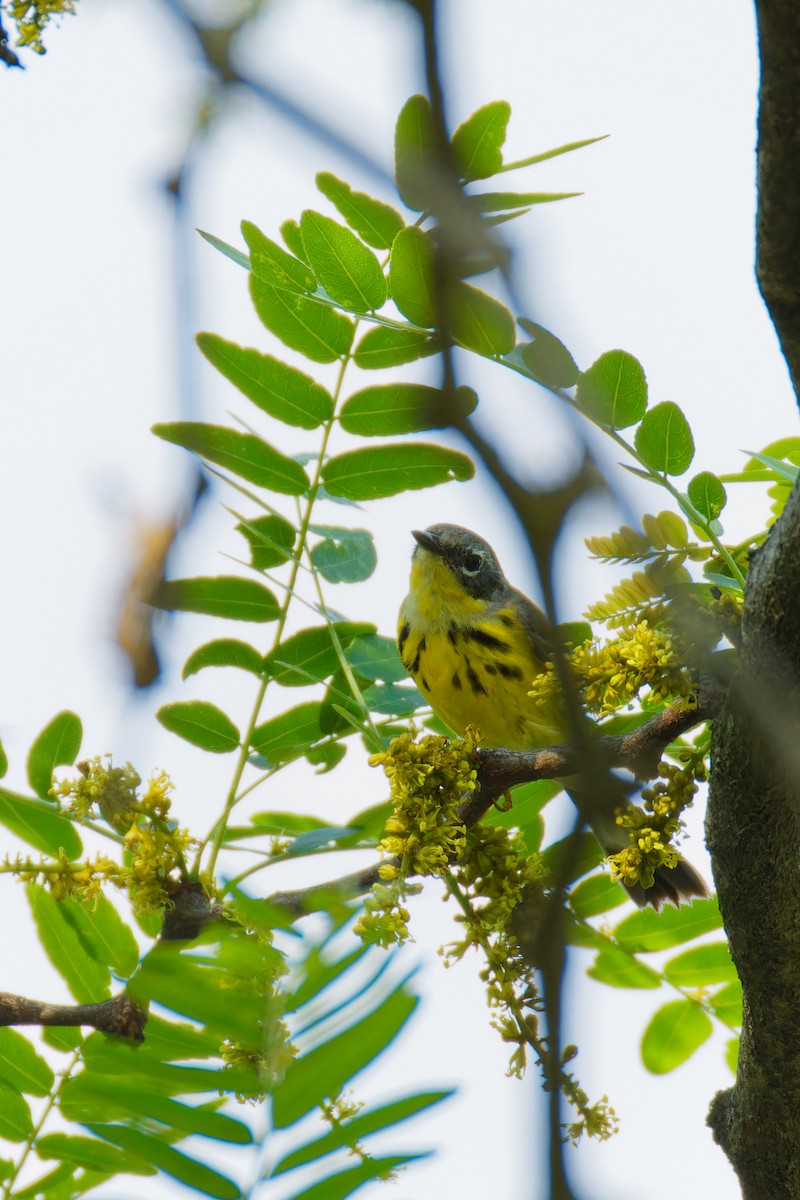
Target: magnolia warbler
<point>472,644</point>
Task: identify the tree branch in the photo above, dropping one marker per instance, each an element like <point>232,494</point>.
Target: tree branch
<point>119,1015</point>
<point>639,751</point>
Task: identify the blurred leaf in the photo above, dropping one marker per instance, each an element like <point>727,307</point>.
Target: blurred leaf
<point>271,540</point>
<point>375,222</point>
<point>316,330</point>
<point>15,1116</point>
<point>344,555</point>
<point>673,1035</point>
<point>617,969</point>
<point>386,347</point>
<point>326,756</point>
<point>528,801</point>
<point>200,723</point>
<point>597,894</point>
<point>289,735</point>
<point>324,1071</point>
<point>311,654</point>
<point>342,1184</point>
<point>3,761</point>
<point>220,596</point>
<point>169,1160</point>
<point>707,494</point>
<point>276,388</point>
<point>103,933</point>
<point>732,1055</point>
<point>86,979</point>
<point>480,322</point>
<point>290,232</point>
<point>664,440</point>
<point>411,278</point>
<point>65,1038</point>
<point>376,472</point>
<point>315,839</point>
<point>490,202</point>
<point>589,855</point>
<point>21,1067</point>
<point>224,652</point>
<point>91,1154</point>
<point>376,657</point>
<point>35,822</point>
<point>548,358</point>
<point>270,262</point>
<point>284,824</point>
<point>242,453</point>
<point>237,256</point>
<point>394,408</point>
<point>613,391</point>
<point>415,153</point>
<point>478,141</point>
<point>727,1003</point>
<point>647,930</point>
<point>57,745</point>
<point>349,272</point>
<point>701,966</point>
<point>372,1121</point>
<point>393,698</point>
<point>784,470</point>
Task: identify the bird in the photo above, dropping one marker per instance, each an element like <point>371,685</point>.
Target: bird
<point>472,643</point>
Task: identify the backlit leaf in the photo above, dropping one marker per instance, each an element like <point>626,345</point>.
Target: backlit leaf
<point>86,979</point>
<point>375,222</point>
<point>91,1154</point>
<point>200,723</point>
<point>386,347</point>
<point>597,894</point>
<point>375,472</point>
<point>376,657</point>
<point>673,1035</point>
<point>394,408</point>
<point>344,555</point>
<point>276,388</point>
<point>35,822</point>
<point>224,652</point>
<point>15,1116</point>
<point>490,202</point>
<point>707,493</point>
<point>310,654</point>
<point>664,440</point>
<point>548,358</point>
<point>647,930</point>
<point>57,745</point>
<point>411,279</point>
<point>478,141</point>
<point>242,453</point>
<point>21,1067</point>
<point>289,735</point>
<point>617,969</point>
<point>270,262</point>
<point>220,596</point>
<point>613,391</point>
<point>349,272</point>
<point>318,331</point>
<point>415,153</point>
<point>480,322</point>
<point>271,540</point>
<point>172,1162</point>
<point>701,966</point>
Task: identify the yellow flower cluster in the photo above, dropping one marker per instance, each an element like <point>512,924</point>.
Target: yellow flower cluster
<point>31,16</point>
<point>652,828</point>
<point>71,880</point>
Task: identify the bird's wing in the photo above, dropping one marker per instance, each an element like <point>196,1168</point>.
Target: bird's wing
<point>536,626</point>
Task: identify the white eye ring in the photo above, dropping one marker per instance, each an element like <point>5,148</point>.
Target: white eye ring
<point>477,560</point>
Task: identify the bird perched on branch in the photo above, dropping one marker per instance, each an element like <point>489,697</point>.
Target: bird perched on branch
<point>472,644</point>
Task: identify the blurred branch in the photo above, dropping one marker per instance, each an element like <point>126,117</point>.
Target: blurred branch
<point>7,55</point>
<point>119,1015</point>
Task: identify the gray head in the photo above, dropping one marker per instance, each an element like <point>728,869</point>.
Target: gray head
<point>472,561</point>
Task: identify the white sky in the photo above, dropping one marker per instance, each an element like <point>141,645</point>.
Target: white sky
<point>655,258</point>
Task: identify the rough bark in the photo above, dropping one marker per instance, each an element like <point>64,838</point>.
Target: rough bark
<point>753,817</point>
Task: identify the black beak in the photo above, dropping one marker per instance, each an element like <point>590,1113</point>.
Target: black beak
<point>428,541</point>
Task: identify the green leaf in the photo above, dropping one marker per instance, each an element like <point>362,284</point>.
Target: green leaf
<point>65,1038</point>
<point>344,555</point>
<point>242,453</point>
<point>673,1035</point>
<point>387,347</point>
<point>224,652</point>
<point>411,278</point>
<point>597,894</point>
<point>200,723</point>
<point>290,232</point>
<point>276,388</point>
<point>57,745</point>
<point>169,1160</point>
<point>707,494</point>
<point>372,1121</point>
<point>732,1055</point>
<point>343,1183</point>
<point>524,814</point>
<point>289,735</point>
<point>316,330</point>
<point>91,1154</point>
<point>647,930</point>
<point>311,655</point>
<point>315,839</point>
<point>3,761</point>
<point>284,824</point>
<point>548,358</point>
<point>490,202</point>
<point>15,1117</point>
<point>480,322</point>
<point>478,141</point>
<point>393,698</point>
<point>241,260</point>
<point>86,979</point>
<point>589,855</point>
<point>271,540</point>
<point>220,596</point>
<point>21,1067</point>
<point>727,1003</point>
<point>617,969</point>
<point>349,272</point>
<point>613,391</point>
<point>376,657</point>
<point>701,966</point>
<point>326,756</point>
<point>376,472</point>
<point>324,1071</point>
<point>103,933</point>
<point>375,222</point>
<point>35,822</point>
<point>664,440</point>
<point>271,263</point>
<point>388,409</point>
<point>415,153</point>
<point>784,470</point>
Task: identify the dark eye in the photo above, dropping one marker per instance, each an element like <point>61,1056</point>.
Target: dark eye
<point>473,563</point>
